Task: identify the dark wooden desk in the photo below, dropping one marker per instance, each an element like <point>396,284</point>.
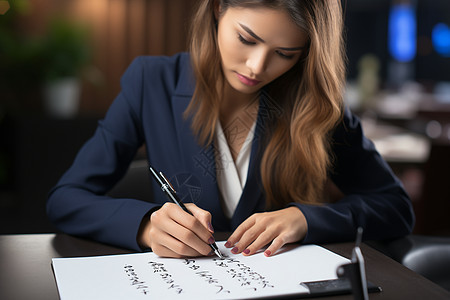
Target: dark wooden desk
<point>26,273</point>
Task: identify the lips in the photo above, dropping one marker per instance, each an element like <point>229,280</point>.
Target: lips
<point>247,81</point>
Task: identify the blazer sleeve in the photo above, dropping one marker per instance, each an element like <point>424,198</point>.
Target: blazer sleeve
<point>374,198</point>
<point>78,204</point>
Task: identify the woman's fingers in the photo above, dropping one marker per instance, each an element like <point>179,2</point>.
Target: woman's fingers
<point>192,223</point>
<point>260,242</point>
<point>176,233</point>
<point>277,243</point>
<point>202,215</point>
<point>187,237</point>
<point>252,231</point>
<point>168,246</point>
<point>276,228</point>
<point>236,236</point>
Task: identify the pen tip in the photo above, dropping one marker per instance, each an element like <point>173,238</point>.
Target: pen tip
<point>216,250</point>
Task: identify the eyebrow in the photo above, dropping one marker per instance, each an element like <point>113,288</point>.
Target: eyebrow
<point>249,31</point>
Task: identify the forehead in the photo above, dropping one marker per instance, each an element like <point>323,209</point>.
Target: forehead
<point>272,25</point>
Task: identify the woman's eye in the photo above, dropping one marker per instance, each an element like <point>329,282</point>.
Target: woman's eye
<point>282,55</point>
<point>244,41</point>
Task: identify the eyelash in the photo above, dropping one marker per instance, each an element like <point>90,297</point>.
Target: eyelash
<point>248,43</point>
<point>285,56</point>
<point>244,41</point>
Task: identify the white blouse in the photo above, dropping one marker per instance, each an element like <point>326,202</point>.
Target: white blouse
<point>231,176</point>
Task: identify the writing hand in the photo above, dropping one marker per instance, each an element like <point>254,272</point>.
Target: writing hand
<point>172,232</point>
<point>277,228</point>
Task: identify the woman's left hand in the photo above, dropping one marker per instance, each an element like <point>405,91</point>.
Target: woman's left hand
<point>278,228</point>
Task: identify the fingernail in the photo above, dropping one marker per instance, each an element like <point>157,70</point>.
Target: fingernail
<point>211,253</point>
<point>267,253</point>
<point>227,244</point>
<point>235,250</point>
<point>246,251</point>
<point>211,240</point>
<point>210,227</point>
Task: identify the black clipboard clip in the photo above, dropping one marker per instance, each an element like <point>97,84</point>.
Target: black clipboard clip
<point>351,278</point>
<point>355,272</point>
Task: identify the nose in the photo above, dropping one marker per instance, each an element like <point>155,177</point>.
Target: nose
<point>257,61</point>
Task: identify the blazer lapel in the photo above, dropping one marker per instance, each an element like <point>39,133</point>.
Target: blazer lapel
<point>252,198</point>
<point>196,159</point>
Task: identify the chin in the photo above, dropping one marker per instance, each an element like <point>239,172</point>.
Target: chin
<point>247,90</point>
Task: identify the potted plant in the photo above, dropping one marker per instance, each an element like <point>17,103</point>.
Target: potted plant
<point>65,52</point>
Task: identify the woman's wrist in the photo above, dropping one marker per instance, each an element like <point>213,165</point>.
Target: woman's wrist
<point>143,236</point>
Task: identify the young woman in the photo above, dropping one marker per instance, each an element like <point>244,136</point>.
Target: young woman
<point>253,120</point>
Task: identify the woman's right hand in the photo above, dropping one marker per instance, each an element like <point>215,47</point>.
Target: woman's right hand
<point>172,232</point>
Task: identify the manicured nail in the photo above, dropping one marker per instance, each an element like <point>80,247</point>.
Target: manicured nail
<point>211,253</point>
<point>228,244</point>
<point>211,240</point>
<point>267,253</point>
<point>210,227</point>
<point>235,250</point>
<point>246,251</point>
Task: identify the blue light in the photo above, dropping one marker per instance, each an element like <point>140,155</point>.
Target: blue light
<point>441,39</point>
<point>402,32</point>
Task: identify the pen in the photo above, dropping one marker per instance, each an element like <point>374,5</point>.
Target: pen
<point>170,192</point>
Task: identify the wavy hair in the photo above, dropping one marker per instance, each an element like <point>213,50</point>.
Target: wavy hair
<point>296,156</point>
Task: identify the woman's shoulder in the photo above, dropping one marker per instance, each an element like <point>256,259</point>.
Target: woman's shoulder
<point>163,62</point>
<point>349,120</point>
<point>349,130</point>
<point>158,69</point>
<point>168,73</point>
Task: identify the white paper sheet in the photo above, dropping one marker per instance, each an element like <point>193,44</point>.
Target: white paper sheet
<point>147,276</point>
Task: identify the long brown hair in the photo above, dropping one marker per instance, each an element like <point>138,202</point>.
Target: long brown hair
<point>296,158</point>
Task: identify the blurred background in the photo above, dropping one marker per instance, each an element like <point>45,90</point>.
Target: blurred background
<point>61,62</point>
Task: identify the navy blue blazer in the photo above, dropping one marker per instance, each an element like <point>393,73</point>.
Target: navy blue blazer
<point>149,110</point>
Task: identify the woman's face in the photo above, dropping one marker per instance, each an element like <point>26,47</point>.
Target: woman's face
<point>257,45</point>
